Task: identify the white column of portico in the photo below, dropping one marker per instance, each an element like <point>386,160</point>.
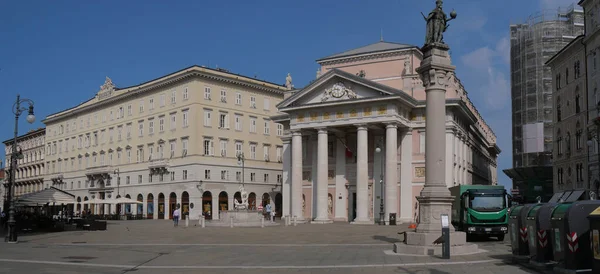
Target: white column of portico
<point>466,160</point>
<point>313,175</point>
<point>362,177</point>
<point>297,176</point>
<point>391,171</point>
<point>322,180</point>
<point>406,173</point>
<point>215,204</point>
<point>340,181</point>
<point>286,177</point>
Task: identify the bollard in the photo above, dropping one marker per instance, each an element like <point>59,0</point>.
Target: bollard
<point>187,221</point>
<point>262,221</point>
<point>285,220</point>
<point>203,220</point>
<point>295,221</point>
<point>231,221</point>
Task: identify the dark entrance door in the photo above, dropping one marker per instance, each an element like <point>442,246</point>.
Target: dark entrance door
<point>353,206</point>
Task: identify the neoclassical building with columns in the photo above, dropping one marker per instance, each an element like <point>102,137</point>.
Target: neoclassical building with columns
<point>355,138</point>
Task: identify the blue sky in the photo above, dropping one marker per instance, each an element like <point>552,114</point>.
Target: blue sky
<point>58,53</point>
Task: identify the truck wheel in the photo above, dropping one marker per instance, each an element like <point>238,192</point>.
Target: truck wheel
<point>501,237</point>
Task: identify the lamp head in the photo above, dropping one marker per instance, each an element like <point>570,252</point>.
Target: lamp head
<point>377,149</point>
<point>31,117</point>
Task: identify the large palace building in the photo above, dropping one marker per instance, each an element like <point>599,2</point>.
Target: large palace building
<point>188,139</point>
<point>355,138</point>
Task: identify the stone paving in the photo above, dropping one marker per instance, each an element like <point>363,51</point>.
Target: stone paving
<point>157,247</point>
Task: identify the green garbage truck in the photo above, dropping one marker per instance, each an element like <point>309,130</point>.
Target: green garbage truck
<point>480,210</point>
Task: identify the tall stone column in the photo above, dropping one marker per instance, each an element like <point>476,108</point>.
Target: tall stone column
<point>406,173</point>
<point>286,176</point>
<point>340,208</point>
<point>362,176</point>
<point>297,176</point>
<point>322,180</point>
<point>391,171</point>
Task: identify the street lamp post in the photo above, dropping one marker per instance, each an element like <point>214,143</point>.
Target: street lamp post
<point>241,159</point>
<point>17,110</point>
<point>117,172</point>
<point>381,210</point>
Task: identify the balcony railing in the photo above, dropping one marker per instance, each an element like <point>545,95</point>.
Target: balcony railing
<point>98,170</point>
<point>159,163</point>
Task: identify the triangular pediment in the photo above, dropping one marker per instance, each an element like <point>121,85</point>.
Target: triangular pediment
<point>338,86</point>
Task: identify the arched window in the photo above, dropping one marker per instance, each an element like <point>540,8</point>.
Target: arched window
<point>568,142</point>
<point>577,100</point>
<point>558,111</point>
<point>578,136</point>
<point>559,143</point>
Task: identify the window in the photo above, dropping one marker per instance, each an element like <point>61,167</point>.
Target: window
<point>279,130</point>
<point>141,129</point>
<point>184,175</point>
<point>207,93</point>
<point>150,152</point>
<point>161,124</point>
<point>141,106</point>
<point>279,178</point>
<point>559,144</point>
<point>128,152</point>
<point>267,130</point>
<point>252,125</point>
<point>151,104</point>
<point>172,149</point>
<point>253,151</point>
<point>208,147</point>
<point>223,146</point>
<point>238,122</point>
<point>223,120</point>
<point>279,151</point>
<point>238,148</point>
<point>266,178</point>
<point>252,102</point>
<point>567,76</point>
<point>266,153</point>
<point>173,121</point>
<point>128,131</point>
<point>558,81</point>
<point>139,179</point>
<point>568,142</point>
<point>238,176</point>
<point>207,174</point>
<point>119,156</point>
<point>129,110</point>
<point>121,113</point>
<point>172,175</point>
<point>161,150</point>
<point>577,103</point>
<point>151,126</point>
<point>558,111</point>
<point>224,175</point>
<point>185,118</point>
<point>127,180</point>
<point>252,177</point>
<point>223,96</point>
<point>184,146</point>
<point>421,142</point>
<point>238,98</point>
<point>207,118</point>
<point>185,93</point>
<point>577,69</point>
<point>266,104</point>
<point>162,100</point>
<point>150,178</point>
<point>140,154</point>
<point>112,116</point>
<point>578,141</point>
<point>111,134</point>
<point>119,133</point>
<point>173,97</point>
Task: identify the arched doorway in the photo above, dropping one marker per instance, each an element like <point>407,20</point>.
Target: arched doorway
<point>79,205</point>
<point>266,199</point>
<point>237,198</point>
<point>278,204</point>
<point>252,201</point>
<point>223,201</point>
<point>207,205</point>
<point>161,206</point>
<point>185,205</point>
<point>150,206</point>
<point>172,204</point>
<point>140,207</point>
<point>128,206</point>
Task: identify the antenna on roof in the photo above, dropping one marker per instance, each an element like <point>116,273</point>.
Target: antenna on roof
<point>381,35</point>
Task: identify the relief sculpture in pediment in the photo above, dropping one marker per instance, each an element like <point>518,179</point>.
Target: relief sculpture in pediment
<point>338,90</point>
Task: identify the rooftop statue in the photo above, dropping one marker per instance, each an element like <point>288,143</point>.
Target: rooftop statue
<point>437,24</point>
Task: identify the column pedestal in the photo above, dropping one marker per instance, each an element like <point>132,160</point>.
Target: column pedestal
<point>435,199</point>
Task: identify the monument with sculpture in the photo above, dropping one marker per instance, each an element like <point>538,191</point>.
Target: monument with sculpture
<point>242,215</point>
<point>435,200</point>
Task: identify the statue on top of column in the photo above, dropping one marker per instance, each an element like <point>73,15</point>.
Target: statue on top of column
<point>288,82</point>
<point>437,24</point>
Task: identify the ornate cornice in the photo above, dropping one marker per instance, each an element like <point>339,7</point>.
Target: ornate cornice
<point>367,56</point>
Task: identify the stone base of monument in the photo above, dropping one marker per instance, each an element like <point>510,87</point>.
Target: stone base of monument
<point>420,243</point>
<point>241,218</point>
<point>319,221</point>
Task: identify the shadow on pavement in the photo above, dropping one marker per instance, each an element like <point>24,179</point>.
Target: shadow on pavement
<point>507,259</point>
<point>386,239</point>
<point>420,271</point>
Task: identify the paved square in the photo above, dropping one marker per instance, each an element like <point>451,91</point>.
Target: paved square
<point>158,247</point>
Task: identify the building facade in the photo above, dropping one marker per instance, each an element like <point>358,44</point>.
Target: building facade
<point>533,43</point>
<point>570,153</point>
<point>592,53</point>
<point>29,175</point>
<point>355,138</point>
<point>188,139</point>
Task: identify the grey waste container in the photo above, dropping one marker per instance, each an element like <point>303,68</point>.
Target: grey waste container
<point>392,218</point>
<point>594,219</point>
<point>538,222</point>
<point>518,229</point>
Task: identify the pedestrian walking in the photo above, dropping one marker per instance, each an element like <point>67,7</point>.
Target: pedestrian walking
<point>268,209</point>
<point>176,215</point>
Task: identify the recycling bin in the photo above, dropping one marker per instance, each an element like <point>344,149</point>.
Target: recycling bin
<point>392,218</point>
<point>594,219</point>
<point>518,229</point>
<point>530,223</point>
<point>570,235</point>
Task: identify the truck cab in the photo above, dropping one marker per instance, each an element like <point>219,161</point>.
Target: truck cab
<point>481,210</point>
